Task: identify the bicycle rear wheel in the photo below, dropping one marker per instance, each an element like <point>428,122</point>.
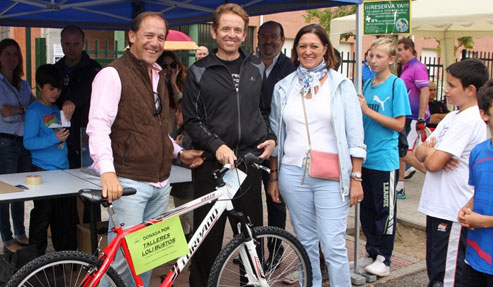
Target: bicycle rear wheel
<point>64,268</point>
<point>283,257</point>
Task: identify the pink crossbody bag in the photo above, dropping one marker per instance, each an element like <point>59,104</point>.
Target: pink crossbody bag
<point>320,164</point>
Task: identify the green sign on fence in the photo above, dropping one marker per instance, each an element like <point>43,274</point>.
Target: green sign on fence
<point>387,17</point>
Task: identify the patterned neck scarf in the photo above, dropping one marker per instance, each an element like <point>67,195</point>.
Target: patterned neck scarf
<point>308,79</point>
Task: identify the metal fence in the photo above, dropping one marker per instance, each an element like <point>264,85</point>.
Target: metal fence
<point>105,52</point>
<point>485,56</point>
<point>433,64</point>
<point>435,74</point>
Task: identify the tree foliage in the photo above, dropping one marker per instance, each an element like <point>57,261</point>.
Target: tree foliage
<point>467,42</point>
<point>324,16</point>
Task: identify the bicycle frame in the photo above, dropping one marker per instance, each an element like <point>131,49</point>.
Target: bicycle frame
<point>222,197</point>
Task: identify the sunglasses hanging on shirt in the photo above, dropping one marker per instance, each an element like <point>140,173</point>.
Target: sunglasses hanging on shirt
<point>158,106</point>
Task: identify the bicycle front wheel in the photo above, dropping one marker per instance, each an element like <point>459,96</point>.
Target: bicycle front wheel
<point>283,258</point>
<point>64,268</point>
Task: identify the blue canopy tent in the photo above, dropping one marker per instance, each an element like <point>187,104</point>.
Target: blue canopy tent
<point>117,14</point>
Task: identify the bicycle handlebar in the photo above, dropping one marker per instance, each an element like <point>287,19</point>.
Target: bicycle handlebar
<point>248,159</point>
<point>96,196</point>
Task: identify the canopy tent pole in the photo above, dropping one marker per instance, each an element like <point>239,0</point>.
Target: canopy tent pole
<point>356,277</point>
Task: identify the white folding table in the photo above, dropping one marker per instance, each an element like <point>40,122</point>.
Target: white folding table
<point>62,183</point>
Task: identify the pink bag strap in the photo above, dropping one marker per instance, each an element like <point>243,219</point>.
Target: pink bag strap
<point>306,120</point>
<point>307,157</point>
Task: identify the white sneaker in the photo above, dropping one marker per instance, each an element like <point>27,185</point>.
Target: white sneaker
<point>365,261</point>
<point>378,267</point>
<point>409,172</point>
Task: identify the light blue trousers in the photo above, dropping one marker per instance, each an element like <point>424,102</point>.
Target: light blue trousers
<point>318,214</point>
<point>148,202</point>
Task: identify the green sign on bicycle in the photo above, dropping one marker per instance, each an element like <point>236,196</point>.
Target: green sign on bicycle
<point>387,17</point>
<point>157,244</point>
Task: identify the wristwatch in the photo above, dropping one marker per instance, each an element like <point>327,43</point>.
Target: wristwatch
<point>356,176</point>
<point>420,124</point>
<point>179,154</point>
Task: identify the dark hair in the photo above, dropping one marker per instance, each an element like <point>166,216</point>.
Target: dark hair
<point>18,71</point>
<point>469,72</point>
<point>229,8</point>
<point>137,21</point>
<point>49,74</point>
<point>180,80</point>
<point>337,59</point>
<point>485,97</point>
<point>329,57</point>
<point>408,43</point>
<point>72,29</point>
<point>281,29</point>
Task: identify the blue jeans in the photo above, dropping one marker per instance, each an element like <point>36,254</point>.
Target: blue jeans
<point>13,158</point>
<point>318,214</point>
<point>148,202</point>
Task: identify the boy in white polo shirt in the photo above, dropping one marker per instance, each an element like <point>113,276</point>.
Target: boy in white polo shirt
<point>446,158</point>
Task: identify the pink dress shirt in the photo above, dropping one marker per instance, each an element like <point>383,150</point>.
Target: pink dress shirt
<point>106,93</point>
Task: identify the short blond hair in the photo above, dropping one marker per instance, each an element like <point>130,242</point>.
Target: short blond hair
<point>388,43</point>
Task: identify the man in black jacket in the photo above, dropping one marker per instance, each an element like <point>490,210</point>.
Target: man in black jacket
<point>79,72</point>
<point>224,115</point>
<point>277,66</point>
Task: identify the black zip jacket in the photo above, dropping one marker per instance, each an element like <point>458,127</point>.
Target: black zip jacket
<point>78,91</point>
<point>281,69</point>
<point>215,113</point>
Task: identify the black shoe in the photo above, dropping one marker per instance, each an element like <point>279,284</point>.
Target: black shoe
<point>8,254</point>
<point>236,260</point>
<point>21,244</point>
<point>273,263</point>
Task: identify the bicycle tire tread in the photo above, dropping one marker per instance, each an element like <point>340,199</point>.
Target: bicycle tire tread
<point>49,258</point>
<point>239,239</point>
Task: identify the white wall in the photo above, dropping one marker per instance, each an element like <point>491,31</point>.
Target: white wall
<point>344,49</point>
<point>288,45</point>
<point>429,53</point>
<point>53,46</point>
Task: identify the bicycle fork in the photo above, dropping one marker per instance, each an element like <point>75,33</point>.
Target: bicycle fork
<point>254,271</point>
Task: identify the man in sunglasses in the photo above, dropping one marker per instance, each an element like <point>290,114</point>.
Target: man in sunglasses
<point>224,115</point>
<point>128,131</point>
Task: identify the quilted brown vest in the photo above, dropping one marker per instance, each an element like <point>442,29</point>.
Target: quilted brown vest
<point>142,150</point>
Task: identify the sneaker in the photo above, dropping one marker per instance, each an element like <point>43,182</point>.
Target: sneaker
<point>401,194</point>
<point>409,172</point>
<point>365,261</point>
<point>378,267</point>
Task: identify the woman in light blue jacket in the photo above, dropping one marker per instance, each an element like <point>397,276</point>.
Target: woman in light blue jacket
<point>318,207</point>
<point>15,97</point>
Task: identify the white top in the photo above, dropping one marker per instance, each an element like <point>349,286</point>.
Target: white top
<point>446,192</point>
<point>319,121</point>
<point>269,69</point>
